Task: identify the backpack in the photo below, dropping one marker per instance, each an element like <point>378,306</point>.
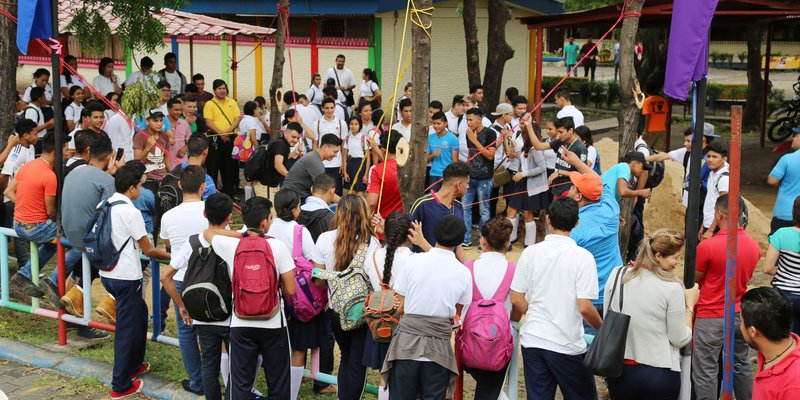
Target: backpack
<point>255,280</point>
<point>169,195</point>
<point>207,284</point>
<point>484,341</point>
<point>317,222</point>
<point>379,311</point>
<point>100,249</point>
<point>254,167</point>
<point>349,289</point>
<point>242,147</point>
<point>656,169</point>
<point>310,299</point>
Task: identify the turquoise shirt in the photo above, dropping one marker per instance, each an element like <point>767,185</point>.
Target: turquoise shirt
<point>571,53</point>
<point>611,177</point>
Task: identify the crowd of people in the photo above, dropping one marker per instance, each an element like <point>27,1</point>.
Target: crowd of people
<point>329,254</point>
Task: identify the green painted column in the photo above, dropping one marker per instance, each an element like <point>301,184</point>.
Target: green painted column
<point>375,51</point>
<point>223,52</point>
<point>128,61</point>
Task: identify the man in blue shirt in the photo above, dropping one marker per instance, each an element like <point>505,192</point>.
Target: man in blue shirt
<point>618,177</point>
<point>571,55</point>
<point>598,230</point>
<point>429,209</point>
<point>442,148</point>
<point>198,150</point>
<point>786,175</point>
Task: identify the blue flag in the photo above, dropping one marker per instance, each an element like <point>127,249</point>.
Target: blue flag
<point>33,21</point>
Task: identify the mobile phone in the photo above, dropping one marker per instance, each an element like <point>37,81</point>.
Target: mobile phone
<point>120,153</point>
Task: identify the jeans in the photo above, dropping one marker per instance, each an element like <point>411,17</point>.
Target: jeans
<point>43,233</point>
<point>407,378</point>
<point>336,174</point>
<point>130,337</point>
<point>569,67</point>
<point>21,246</point>
<point>211,339</point>
<point>795,298</point>
<point>709,335</point>
<point>587,68</point>
<point>645,382</point>
<point>544,370</point>
<point>482,189</point>
<point>352,373</point>
<point>187,340</point>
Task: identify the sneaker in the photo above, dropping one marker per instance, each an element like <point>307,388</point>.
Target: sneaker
<point>466,246</point>
<point>186,387</point>
<point>108,309</point>
<point>141,371</point>
<point>91,334</point>
<point>73,302</point>
<point>51,290</point>
<point>256,395</point>
<point>135,388</point>
<point>25,285</point>
<point>330,389</point>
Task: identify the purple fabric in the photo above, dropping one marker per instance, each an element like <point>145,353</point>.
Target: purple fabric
<point>687,57</point>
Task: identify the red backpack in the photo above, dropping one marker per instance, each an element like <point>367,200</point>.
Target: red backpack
<point>255,279</point>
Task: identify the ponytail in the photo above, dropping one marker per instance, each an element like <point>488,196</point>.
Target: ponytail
<point>396,233</point>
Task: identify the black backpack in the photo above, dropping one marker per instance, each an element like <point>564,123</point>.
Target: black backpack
<point>207,292</point>
<point>261,166</point>
<point>656,169</point>
<point>169,194</point>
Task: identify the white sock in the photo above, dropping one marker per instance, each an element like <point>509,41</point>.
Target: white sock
<point>514,226</point>
<point>225,368</point>
<point>530,233</point>
<point>297,379</point>
<point>248,192</point>
<point>383,393</point>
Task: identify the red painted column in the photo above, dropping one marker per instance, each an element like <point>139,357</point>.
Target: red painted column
<point>314,48</point>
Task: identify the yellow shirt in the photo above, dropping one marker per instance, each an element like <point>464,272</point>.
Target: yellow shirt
<point>221,120</point>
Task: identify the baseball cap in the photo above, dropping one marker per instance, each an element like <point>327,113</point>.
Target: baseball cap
<point>636,156</point>
<point>503,108</point>
<point>155,113</point>
<point>708,130</point>
<point>589,185</point>
<point>795,131</point>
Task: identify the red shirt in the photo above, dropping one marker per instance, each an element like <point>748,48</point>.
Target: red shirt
<point>390,200</point>
<point>782,381</point>
<point>711,260</point>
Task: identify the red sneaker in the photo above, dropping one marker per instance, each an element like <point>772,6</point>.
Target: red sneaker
<point>141,371</point>
<point>135,388</point>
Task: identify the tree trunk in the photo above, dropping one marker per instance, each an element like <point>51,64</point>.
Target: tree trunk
<point>471,41</point>
<point>277,73</point>
<point>412,175</point>
<point>629,114</point>
<point>8,71</point>
<point>751,117</point>
<point>498,53</point>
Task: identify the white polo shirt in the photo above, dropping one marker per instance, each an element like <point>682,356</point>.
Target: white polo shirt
<point>717,182</point>
<point>433,283</point>
<point>284,231</point>
<point>126,223</point>
<point>404,130</point>
<point>323,127</point>
<point>180,262</point>
<point>571,111</point>
<point>178,224</point>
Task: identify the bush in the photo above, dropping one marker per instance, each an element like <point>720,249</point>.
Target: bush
<point>742,57</point>
<point>775,100</point>
<point>548,83</point>
<point>715,57</point>
<point>713,90</point>
<point>598,92</point>
<point>585,90</point>
<point>613,93</point>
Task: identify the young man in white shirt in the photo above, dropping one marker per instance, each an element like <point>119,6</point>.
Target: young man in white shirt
<point>567,109</point>
<point>341,111</point>
<point>251,338</point>
<point>554,285</point>
<point>22,153</point>
<point>403,126</point>
<point>177,225</point>
<point>34,111</point>
<point>145,74</point>
<point>170,73</point>
<point>124,282</point>
<point>343,77</point>
<point>456,114</point>
<point>330,124</point>
<point>717,161</point>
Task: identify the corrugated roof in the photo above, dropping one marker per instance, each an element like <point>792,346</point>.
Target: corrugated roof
<point>177,23</point>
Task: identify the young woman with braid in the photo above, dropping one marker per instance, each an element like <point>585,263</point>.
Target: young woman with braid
<point>352,229</point>
<point>382,268</point>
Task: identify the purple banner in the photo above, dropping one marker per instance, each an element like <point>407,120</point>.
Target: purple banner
<point>687,55</point>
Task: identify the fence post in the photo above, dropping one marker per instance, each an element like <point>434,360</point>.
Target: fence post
<point>513,366</point>
<point>61,266</point>
<point>4,282</point>
<point>155,280</point>
<point>34,272</point>
<point>86,282</point>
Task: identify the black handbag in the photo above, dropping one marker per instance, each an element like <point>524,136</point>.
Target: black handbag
<point>607,352</point>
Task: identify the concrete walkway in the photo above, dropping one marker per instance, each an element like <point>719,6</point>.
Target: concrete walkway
<point>22,382</point>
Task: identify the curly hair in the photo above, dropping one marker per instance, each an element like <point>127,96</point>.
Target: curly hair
<point>352,221</point>
<point>396,232</point>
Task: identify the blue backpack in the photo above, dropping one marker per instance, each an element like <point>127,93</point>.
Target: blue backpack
<point>98,242</point>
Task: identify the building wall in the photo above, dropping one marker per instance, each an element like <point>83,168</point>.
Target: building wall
<point>448,54</point>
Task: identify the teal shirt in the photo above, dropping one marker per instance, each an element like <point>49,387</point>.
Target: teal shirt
<point>610,177</point>
<point>571,53</point>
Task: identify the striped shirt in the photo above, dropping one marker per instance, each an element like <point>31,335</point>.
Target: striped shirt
<point>428,210</point>
<point>787,242</point>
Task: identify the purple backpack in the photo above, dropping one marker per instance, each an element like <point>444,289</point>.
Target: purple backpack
<point>310,300</point>
<point>484,341</point>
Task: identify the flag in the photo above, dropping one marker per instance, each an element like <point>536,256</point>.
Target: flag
<point>687,55</point>
<point>33,21</point>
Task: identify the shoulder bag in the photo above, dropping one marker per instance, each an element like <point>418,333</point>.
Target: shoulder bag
<point>607,352</point>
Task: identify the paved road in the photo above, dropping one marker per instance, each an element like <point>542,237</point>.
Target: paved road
<point>24,382</point>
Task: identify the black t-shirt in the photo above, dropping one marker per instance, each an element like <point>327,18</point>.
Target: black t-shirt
<point>280,146</point>
<point>481,167</point>
<point>558,146</point>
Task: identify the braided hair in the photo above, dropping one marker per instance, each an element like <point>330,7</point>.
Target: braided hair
<point>396,232</point>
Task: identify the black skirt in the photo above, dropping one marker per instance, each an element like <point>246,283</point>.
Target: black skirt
<point>515,201</point>
<point>355,174</point>
<point>374,353</point>
<point>305,335</point>
<point>538,202</point>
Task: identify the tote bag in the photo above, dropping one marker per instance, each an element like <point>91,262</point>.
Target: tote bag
<point>607,352</point>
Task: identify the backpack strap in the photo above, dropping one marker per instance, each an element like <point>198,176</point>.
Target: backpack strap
<point>720,178</point>
<point>378,273</point>
<point>505,285</point>
<point>297,243</point>
<point>476,293</point>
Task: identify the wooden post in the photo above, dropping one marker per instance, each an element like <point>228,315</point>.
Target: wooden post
<point>277,70</point>
<point>533,73</point>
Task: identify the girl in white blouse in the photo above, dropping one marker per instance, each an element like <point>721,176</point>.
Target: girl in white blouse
<point>72,114</point>
<point>370,92</point>
<point>314,92</point>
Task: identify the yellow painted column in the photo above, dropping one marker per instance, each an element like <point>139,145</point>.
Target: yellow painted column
<point>259,71</point>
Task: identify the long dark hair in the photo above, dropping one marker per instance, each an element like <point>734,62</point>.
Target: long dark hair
<point>585,134</point>
<point>66,73</point>
<point>371,75</point>
<point>396,232</point>
<point>527,145</point>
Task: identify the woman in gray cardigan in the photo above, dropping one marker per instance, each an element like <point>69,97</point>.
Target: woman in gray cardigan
<point>661,312</point>
<point>533,172</point>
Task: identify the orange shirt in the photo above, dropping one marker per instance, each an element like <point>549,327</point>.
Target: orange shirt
<point>656,107</point>
<point>35,180</point>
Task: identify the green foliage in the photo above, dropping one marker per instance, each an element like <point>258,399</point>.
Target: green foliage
<point>548,83</point>
<point>140,97</point>
<point>140,29</point>
<point>742,56</point>
<point>775,100</point>
<point>598,90</point>
<point>581,5</point>
<point>585,90</point>
<point>715,57</point>
<point>727,57</point>
<point>613,93</point>
<point>713,90</point>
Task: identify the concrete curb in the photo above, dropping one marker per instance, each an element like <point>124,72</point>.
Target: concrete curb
<point>78,367</point>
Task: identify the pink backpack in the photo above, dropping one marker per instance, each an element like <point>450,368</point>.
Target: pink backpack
<point>310,299</point>
<point>255,280</point>
<point>484,341</point>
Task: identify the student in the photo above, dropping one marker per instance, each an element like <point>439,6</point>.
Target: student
<point>442,149</point>
<point>531,180</point>
<point>202,95</point>
<point>197,146</point>
<point>661,312</point>
<point>354,150</point>
<point>592,157</point>
<point>170,73</point>
<point>567,141</point>
<point>307,168</point>
<point>82,140</point>
<point>510,94</point>
<point>352,230</point>
<point>590,63</point>
<point>506,148</point>
<point>33,191</point>
<point>370,92</point>
<point>34,111</point>
<point>481,164</point>
<point>765,327</point>
<point>180,130</point>
<point>656,112</point>
<point>262,115</point>
<point>315,214</point>
<point>72,114</point>
<point>314,92</point>
<point>403,126</point>
<point>487,274</point>
<point>717,161</point>
<point>430,208</point>
<point>330,124</point>
<point>571,55</point>
<point>563,102</point>
<point>124,282</point>
<point>553,287</point>
<point>463,126</point>
<point>121,132</point>
<point>283,152</point>
<point>212,336</point>
<point>383,183</point>
<point>177,225</point>
<point>621,176</point>
<point>709,324</point>
<point>22,153</point>
<point>149,149</point>
<point>476,92</point>
<point>455,114</point>
<point>193,117</point>
<point>432,290</point>
<point>222,119</point>
<point>106,81</point>
<point>247,139</point>
<point>96,117</point>
<point>782,261</point>
<point>304,336</point>
<point>144,74</point>
<point>251,338</point>
<point>41,79</point>
<point>786,176</point>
